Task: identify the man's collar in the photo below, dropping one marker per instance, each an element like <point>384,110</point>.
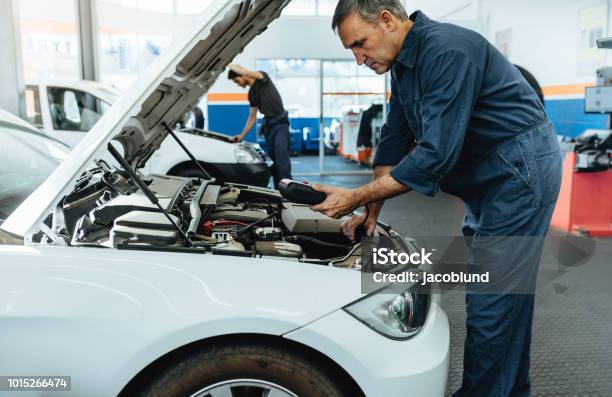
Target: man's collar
<point>408,52</point>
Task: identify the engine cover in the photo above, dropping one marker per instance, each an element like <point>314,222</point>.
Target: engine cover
<point>299,218</point>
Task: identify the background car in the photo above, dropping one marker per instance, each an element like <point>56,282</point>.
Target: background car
<point>68,110</point>
<point>27,158</point>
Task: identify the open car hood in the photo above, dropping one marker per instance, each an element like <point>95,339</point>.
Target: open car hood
<point>194,75</point>
<point>161,96</point>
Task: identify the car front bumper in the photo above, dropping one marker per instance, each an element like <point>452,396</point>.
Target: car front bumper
<point>255,174</point>
<point>379,365</point>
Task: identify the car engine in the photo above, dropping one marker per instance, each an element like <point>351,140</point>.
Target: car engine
<point>106,209</point>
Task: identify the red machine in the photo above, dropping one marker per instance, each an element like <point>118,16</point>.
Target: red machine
<point>585,199</point>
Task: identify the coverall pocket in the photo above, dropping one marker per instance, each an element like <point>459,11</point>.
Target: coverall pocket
<point>514,159</point>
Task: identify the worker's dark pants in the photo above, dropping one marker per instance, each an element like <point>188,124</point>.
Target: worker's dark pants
<point>510,197</point>
<point>276,132</point>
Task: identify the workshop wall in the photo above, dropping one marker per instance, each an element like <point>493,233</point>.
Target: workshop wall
<point>542,36</point>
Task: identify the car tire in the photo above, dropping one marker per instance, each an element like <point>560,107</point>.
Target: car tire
<point>265,367</point>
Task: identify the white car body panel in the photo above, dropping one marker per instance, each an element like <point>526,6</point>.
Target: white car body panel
<point>12,119</point>
<point>382,366</point>
<point>128,308</point>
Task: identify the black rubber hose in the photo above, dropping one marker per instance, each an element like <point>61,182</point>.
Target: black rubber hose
<point>298,237</point>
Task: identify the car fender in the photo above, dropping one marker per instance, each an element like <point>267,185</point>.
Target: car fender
<point>102,315</point>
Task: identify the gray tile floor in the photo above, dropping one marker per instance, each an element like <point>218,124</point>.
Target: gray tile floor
<point>572,334</point>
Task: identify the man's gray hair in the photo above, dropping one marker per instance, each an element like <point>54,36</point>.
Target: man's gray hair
<point>367,9</point>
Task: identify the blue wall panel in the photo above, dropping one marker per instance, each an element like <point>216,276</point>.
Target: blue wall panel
<point>567,116</point>
<point>569,119</point>
<point>230,119</point>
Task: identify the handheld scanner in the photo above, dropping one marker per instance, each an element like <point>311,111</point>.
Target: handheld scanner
<point>301,193</point>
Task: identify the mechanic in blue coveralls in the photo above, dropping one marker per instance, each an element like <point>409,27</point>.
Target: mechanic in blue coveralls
<point>264,96</point>
<point>461,119</point>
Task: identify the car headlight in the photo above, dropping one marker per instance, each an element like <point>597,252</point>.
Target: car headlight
<point>244,155</point>
<point>392,314</point>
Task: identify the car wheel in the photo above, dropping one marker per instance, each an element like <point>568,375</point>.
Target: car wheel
<point>246,370</point>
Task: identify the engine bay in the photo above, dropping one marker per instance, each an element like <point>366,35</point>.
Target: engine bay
<point>107,209</point>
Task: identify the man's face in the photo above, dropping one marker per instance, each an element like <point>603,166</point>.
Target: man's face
<point>241,81</point>
<point>370,43</point>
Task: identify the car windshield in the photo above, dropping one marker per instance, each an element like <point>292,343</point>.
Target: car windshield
<point>75,110</point>
<point>27,158</point>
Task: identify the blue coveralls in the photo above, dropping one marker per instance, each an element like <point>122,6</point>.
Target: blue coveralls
<point>276,132</point>
<point>463,119</point>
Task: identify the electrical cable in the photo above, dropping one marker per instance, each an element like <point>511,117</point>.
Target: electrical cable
<point>297,237</point>
<point>247,227</point>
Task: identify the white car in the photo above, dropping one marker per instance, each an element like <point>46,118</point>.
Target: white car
<point>67,110</point>
<point>154,285</point>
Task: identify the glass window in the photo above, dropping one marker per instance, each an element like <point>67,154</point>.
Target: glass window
<point>49,43</point>
<point>152,5</point>
<point>346,86</point>
<point>133,33</point>
<point>297,81</point>
<point>350,87</point>
<point>32,102</point>
<point>74,110</point>
<point>27,158</point>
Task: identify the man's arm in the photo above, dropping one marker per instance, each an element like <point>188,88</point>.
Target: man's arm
<point>249,124</point>
<point>375,207</point>
<point>342,201</point>
<point>246,72</point>
<point>451,88</point>
<point>368,218</point>
<point>378,190</point>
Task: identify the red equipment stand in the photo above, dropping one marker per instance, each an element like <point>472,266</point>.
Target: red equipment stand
<point>585,201</point>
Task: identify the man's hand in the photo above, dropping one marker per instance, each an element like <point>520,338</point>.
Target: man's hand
<point>349,227</point>
<point>339,201</point>
<point>238,69</point>
<point>237,138</point>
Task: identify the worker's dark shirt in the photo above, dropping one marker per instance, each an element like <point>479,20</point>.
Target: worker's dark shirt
<point>457,99</point>
<point>265,97</point>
